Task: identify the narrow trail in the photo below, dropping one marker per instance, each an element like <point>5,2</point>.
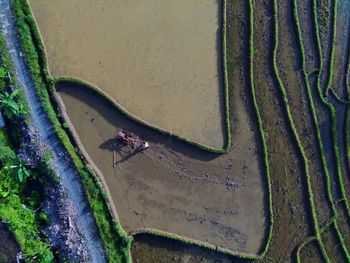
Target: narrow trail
<point>64,167</point>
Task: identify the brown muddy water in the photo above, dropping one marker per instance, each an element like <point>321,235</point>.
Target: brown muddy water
<point>150,249</point>
<point>172,186</point>
<point>8,245</point>
<point>160,60</point>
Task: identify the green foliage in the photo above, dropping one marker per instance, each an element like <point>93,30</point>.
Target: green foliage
<point>19,171</point>
<point>10,106</point>
<point>315,120</point>
<point>2,73</point>
<point>21,220</point>
<point>36,61</point>
<point>282,88</point>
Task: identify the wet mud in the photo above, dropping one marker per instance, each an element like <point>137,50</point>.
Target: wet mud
<point>172,186</point>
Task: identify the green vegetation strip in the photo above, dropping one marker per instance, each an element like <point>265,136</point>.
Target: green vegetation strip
<point>282,88</point>
<point>330,107</point>
<point>16,210</point>
<point>265,160</point>
<point>260,127</point>
<point>316,125</point>
<point>334,36</point>
<point>115,241</point>
<point>37,62</point>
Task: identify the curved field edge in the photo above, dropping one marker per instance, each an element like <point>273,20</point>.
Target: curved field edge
<point>228,138</point>
<point>34,53</point>
<point>317,128</point>
<point>115,242</point>
<point>295,135</point>
<point>331,109</point>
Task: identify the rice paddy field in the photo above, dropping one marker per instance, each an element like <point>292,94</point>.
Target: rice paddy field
<point>245,105</point>
<point>160,60</point>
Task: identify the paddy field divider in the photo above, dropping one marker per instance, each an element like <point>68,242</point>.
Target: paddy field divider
<point>334,33</point>
<point>260,129</point>
<point>316,125</point>
<point>316,229</point>
<point>330,107</point>
<point>116,240</point>
<point>37,39</point>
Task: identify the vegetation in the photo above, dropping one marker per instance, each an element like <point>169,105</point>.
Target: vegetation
<point>115,241</point>
<point>18,211</point>
<point>316,124</point>
<point>295,134</point>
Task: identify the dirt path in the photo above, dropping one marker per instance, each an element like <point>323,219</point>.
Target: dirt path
<point>65,170</point>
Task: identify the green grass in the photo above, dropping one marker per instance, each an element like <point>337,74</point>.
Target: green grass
<point>21,219</point>
<point>316,124</point>
<point>260,128</point>
<point>115,241</point>
<point>15,208</point>
<point>282,88</point>
<point>331,109</point>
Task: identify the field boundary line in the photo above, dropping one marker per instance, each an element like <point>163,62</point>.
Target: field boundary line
<point>228,136</point>
<point>316,124</point>
<point>295,134</point>
<point>45,87</point>
<point>331,110</point>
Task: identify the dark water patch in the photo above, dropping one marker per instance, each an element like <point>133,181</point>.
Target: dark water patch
<point>9,247</point>
<point>311,253</point>
<point>150,249</point>
<point>332,246</point>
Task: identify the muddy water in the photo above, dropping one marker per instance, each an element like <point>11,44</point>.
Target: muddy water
<point>8,245</point>
<point>172,186</point>
<point>149,249</point>
<point>160,60</point>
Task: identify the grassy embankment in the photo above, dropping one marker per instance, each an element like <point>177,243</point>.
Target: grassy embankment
<point>330,107</point>
<point>281,86</point>
<point>115,241</point>
<point>302,65</point>
<point>37,62</point>
<point>20,204</point>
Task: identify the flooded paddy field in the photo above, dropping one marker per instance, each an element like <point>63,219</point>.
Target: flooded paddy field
<point>223,199</point>
<point>160,60</point>
<point>171,186</point>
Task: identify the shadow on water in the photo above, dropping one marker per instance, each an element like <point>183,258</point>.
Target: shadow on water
<point>119,148</point>
<point>148,249</point>
<point>121,121</point>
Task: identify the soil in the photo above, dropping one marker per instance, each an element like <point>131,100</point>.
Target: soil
<point>221,199</point>
<point>150,249</point>
<point>8,245</point>
<point>179,84</point>
<point>175,187</point>
<point>172,186</point>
